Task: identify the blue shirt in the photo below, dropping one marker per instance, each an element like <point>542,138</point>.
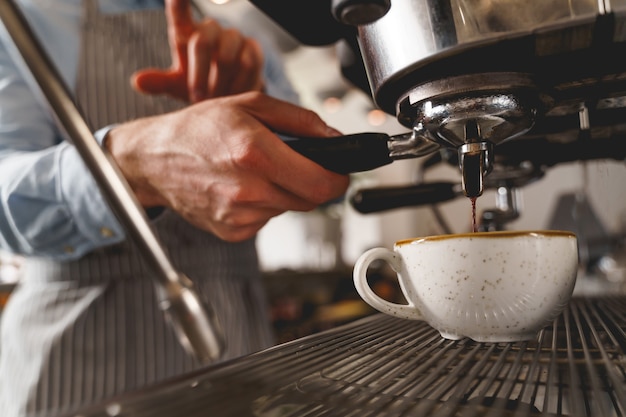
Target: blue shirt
<point>49,203</point>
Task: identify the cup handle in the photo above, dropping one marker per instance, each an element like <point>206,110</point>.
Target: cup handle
<point>406,311</point>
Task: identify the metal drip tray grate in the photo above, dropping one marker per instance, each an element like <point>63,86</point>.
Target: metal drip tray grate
<point>383,366</point>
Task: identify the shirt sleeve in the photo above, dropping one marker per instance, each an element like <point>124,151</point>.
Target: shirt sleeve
<point>50,204</point>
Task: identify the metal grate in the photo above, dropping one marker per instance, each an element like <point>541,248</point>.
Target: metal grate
<point>383,366</point>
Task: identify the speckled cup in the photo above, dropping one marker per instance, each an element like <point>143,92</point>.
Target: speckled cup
<point>490,287</point>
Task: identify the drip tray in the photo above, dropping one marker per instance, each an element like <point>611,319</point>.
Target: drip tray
<point>384,366</point>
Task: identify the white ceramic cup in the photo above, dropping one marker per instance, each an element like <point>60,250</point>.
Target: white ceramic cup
<point>488,286</point>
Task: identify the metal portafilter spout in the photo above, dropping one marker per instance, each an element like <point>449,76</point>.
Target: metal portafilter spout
<point>474,163</point>
<point>475,160</point>
<point>193,321</point>
<point>473,114</point>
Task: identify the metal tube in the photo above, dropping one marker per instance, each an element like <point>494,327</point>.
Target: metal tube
<point>196,327</point>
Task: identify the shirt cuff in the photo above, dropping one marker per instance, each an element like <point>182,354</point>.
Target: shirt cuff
<point>96,222</point>
<point>101,134</point>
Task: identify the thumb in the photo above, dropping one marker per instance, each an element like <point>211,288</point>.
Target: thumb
<point>157,81</point>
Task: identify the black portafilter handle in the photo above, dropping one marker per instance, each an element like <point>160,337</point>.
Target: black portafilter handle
<point>373,200</point>
<point>345,154</point>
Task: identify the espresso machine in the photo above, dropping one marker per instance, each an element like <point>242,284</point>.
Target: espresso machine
<point>503,88</point>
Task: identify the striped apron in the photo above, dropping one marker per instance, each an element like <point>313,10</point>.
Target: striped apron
<point>74,333</point>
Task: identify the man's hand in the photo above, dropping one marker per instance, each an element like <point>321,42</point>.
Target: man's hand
<point>219,164</point>
<point>207,60</point>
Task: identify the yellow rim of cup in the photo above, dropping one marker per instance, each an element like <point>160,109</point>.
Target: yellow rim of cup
<point>490,235</point>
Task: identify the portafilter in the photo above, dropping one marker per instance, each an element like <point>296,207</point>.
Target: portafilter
<point>471,74</point>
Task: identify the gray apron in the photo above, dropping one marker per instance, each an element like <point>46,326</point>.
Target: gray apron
<point>75,333</point>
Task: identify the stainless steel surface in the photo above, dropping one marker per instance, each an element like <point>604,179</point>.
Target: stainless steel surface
<point>505,211</point>
<point>384,366</point>
<point>416,34</point>
<point>416,143</point>
<point>473,113</point>
<point>194,323</point>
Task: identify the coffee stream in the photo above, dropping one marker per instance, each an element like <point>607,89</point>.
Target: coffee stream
<point>474,225</point>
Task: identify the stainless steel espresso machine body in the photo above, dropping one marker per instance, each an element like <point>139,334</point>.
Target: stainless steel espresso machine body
<point>477,73</point>
<point>469,75</point>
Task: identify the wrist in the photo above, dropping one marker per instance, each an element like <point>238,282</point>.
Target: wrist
<point>126,145</point>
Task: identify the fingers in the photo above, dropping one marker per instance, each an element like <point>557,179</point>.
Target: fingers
<point>222,62</point>
<point>249,76</point>
<point>207,60</point>
<point>292,171</point>
<point>238,210</point>
<point>180,27</point>
<point>242,219</point>
<point>265,152</point>
<point>157,81</point>
<point>238,233</point>
<point>284,117</point>
<point>201,52</point>
<point>171,81</point>
<point>227,57</point>
<point>306,179</point>
<point>232,232</point>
